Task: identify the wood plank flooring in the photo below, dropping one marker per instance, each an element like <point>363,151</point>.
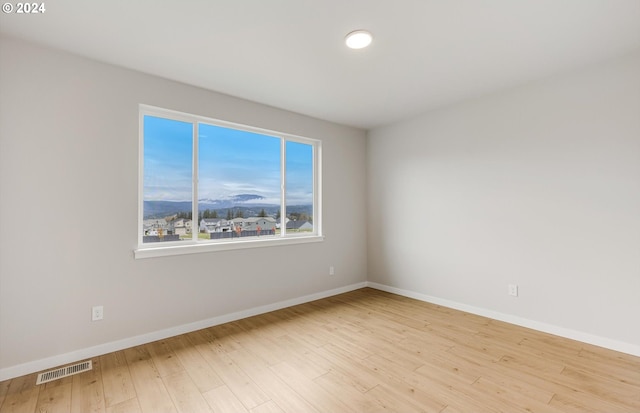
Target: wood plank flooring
<point>363,351</point>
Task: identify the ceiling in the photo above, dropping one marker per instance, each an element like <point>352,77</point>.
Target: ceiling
<point>291,54</point>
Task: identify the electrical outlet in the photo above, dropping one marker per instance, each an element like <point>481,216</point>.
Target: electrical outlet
<point>513,290</point>
<point>97,313</point>
<point>332,270</point>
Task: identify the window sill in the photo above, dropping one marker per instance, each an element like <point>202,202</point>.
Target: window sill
<point>169,250</point>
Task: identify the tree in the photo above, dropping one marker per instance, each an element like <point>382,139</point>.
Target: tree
<point>239,213</point>
<point>184,215</point>
<point>229,215</point>
<point>262,213</point>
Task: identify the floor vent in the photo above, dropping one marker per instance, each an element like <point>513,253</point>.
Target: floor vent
<point>64,372</point>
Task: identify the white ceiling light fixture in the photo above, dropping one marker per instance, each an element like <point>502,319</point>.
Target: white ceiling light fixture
<point>358,39</point>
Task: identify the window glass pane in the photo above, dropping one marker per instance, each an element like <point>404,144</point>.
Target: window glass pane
<point>168,190</point>
<point>299,187</point>
<point>238,183</point>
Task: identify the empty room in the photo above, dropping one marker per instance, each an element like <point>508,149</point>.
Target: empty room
<point>320,206</point>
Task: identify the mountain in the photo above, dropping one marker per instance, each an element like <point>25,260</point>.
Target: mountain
<point>229,202</point>
<point>161,209</point>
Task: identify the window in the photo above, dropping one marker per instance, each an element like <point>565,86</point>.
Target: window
<point>209,185</point>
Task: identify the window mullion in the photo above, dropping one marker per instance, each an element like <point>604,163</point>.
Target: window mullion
<point>195,224</point>
<point>283,187</point>
<point>317,185</point>
<point>141,178</point>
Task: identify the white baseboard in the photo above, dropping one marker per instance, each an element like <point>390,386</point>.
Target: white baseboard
<point>74,356</point>
<point>608,343</point>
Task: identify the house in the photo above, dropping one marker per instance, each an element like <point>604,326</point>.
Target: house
<point>155,226</point>
<point>181,226</point>
<point>300,225</point>
<point>498,146</point>
<point>279,222</point>
<point>238,224</point>
<point>264,223</point>
<point>209,225</point>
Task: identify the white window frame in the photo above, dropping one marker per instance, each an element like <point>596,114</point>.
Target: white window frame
<point>193,246</point>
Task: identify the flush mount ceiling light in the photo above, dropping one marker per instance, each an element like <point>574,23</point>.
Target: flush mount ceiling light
<point>358,39</point>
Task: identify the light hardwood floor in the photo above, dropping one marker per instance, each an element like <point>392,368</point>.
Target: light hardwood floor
<point>363,351</point>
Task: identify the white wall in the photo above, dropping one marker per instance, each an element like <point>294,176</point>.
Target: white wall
<point>537,186</point>
<point>68,212</point>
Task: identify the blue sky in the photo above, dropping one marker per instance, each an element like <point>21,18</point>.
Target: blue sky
<point>230,162</point>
